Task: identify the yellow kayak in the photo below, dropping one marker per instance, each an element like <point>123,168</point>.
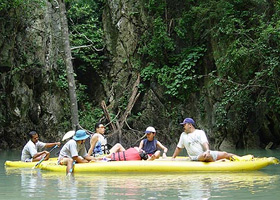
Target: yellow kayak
<point>164,166</point>
<point>20,164</point>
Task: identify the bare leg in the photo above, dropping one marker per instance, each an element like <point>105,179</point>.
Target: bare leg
<point>68,162</point>
<point>117,148</point>
<point>156,155</point>
<point>47,156</point>
<point>224,155</point>
<point>204,159</point>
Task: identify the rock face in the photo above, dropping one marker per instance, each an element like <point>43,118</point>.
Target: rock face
<point>124,23</point>
<point>32,99</point>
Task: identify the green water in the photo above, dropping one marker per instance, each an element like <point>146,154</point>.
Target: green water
<point>36,184</point>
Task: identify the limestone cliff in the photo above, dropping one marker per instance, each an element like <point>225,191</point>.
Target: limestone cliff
<point>33,97</point>
<point>30,98</point>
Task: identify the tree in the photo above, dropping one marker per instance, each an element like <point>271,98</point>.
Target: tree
<point>69,65</point>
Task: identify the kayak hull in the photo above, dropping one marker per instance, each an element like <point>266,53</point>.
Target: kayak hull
<point>162,166</point>
<point>20,164</point>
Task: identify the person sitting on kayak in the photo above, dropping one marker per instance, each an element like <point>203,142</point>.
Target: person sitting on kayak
<point>75,150</point>
<point>150,144</point>
<point>98,143</point>
<point>33,150</point>
<point>197,145</point>
<point>119,153</point>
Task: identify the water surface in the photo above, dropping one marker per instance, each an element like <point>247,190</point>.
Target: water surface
<point>37,184</point>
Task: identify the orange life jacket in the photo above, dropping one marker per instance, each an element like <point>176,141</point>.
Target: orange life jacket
<point>129,154</point>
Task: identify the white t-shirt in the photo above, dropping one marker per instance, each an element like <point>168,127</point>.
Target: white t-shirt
<point>193,143</point>
<point>72,148</point>
<point>30,149</point>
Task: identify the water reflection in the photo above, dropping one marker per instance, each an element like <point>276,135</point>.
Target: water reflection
<point>51,185</point>
<point>31,181</point>
<point>182,186</point>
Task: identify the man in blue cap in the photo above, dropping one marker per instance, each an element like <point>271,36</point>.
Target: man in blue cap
<point>197,145</point>
<point>74,150</point>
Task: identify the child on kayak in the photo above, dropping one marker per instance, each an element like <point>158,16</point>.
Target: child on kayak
<point>150,145</point>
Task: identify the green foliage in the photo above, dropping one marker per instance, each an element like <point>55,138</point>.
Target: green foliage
<point>62,81</point>
<point>82,96</point>
<point>157,44</point>
<point>156,7</point>
<point>240,40</point>
<point>247,57</point>
<point>85,25</point>
<point>86,33</point>
<point>171,66</point>
<point>23,5</point>
<point>180,81</point>
<point>89,115</point>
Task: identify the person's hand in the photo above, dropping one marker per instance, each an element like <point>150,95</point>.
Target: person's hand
<point>46,152</point>
<point>164,155</point>
<point>206,155</point>
<point>58,144</point>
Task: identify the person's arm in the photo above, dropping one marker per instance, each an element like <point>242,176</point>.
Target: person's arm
<point>39,154</point>
<point>89,158</point>
<point>141,145</point>
<point>163,148</point>
<point>176,152</point>
<point>48,145</point>
<point>206,146</point>
<point>206,149</point>
<point>84,157</point>
<point>79,159</point>
<point>93,142</point>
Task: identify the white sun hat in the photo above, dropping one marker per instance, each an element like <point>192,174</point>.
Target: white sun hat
<point>150,129</point>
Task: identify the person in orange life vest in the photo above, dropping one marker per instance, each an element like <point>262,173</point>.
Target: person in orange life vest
<point>150,145</point>
<point>119,153</point>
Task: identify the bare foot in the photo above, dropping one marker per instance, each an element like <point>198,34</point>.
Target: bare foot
<point>152,157</point>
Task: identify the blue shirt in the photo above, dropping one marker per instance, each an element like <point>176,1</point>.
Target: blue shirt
<point>150,147</point>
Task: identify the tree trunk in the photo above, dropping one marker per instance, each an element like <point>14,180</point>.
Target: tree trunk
<point>69,65</point>
<point>117,128</point>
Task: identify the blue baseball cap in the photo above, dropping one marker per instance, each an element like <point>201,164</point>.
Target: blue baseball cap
<point>80,135</point>
<point>188,121</point>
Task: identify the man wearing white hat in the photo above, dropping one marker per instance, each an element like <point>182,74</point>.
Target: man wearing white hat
<point>74,150</point>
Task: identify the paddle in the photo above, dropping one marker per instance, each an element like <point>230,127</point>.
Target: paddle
<point>42,159</point>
